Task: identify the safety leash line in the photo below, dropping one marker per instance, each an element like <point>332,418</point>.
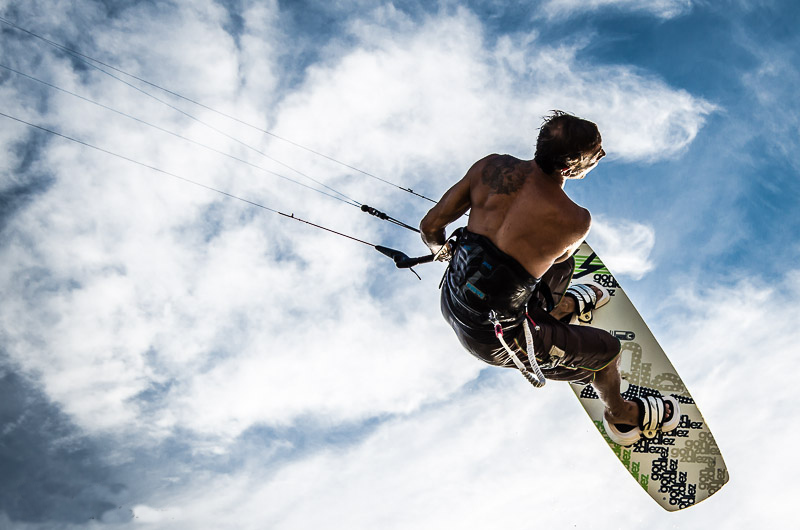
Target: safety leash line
<point>536,378</point>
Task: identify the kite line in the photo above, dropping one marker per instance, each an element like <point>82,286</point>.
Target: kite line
<point>400,259</point>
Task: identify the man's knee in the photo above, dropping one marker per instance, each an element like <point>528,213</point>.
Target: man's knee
<point>613,344</point>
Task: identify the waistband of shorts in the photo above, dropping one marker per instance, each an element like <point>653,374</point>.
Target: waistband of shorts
<point>509,261</point>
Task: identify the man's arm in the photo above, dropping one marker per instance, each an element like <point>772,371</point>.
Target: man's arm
<point>453,204</point>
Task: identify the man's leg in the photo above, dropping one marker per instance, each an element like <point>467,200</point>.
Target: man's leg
<point>607,384</point>
<point>606,381</point>
<point>565,307</point>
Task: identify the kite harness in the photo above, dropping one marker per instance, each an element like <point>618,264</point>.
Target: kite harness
<point>485,289</point>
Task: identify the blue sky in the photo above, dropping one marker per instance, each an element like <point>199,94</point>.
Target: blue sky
<point>173,358</point>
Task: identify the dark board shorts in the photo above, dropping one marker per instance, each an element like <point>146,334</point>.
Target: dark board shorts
<point>565,352</point>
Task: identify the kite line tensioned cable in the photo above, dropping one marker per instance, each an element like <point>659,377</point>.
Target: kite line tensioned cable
<point>346,199</point>
<point>190,181</point>
<point>86,58</point>
<point>215,129</point>
<point>177,135</point>
<point>401,260</point>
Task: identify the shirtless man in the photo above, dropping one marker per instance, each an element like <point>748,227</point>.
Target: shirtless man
<point>521,233</point>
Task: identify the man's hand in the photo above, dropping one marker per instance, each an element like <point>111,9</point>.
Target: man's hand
<point>445,253</point>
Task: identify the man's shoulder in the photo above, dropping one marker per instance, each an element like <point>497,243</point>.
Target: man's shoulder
<point>501,174</point>
<point>495,158</point>
<point>584,215</point>
<point>580,218</point>
<point>503,157</point>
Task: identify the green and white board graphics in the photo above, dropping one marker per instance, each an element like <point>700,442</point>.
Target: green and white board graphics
<point>678,468</point>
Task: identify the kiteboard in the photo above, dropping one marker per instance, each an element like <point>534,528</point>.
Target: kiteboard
<point>679,468</point>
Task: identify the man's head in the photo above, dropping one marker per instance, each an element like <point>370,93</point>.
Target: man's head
<point>568,146</point>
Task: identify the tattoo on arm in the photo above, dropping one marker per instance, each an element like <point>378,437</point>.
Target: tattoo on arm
<point>500,175</point>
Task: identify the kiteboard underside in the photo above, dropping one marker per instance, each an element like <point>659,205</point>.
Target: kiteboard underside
<point>677,469</point>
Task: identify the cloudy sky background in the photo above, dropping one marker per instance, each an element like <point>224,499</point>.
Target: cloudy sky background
<point>176,358</point>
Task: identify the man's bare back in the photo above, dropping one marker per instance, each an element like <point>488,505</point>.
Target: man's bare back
<point>518,207</point>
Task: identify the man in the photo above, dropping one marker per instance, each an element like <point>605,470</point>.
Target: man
<point>517,246</point>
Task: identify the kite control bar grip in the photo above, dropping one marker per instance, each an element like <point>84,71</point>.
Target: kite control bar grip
<point>401,260</point>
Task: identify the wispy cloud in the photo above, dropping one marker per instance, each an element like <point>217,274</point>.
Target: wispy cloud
<point>769,84</point>
<point>658,8</point>
<point>733,354</point>
<point>442,73</point>
<point>493,444</point>
<point>624,245</point>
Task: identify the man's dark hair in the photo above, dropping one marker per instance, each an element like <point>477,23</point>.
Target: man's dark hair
<point>565,142</point>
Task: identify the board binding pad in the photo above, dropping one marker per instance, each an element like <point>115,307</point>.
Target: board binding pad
<point>679,468</point>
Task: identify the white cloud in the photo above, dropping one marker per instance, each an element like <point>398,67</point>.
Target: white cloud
<point>150,304</point>
<point>659,8</point>
<point>147,515</point>
<point>735,352</point>
<point>430,101</point>
<point>623,245</point>
<point>501,453</point>
<point>771,83</point>
<point>146,307</point>
<point>462,463</point>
